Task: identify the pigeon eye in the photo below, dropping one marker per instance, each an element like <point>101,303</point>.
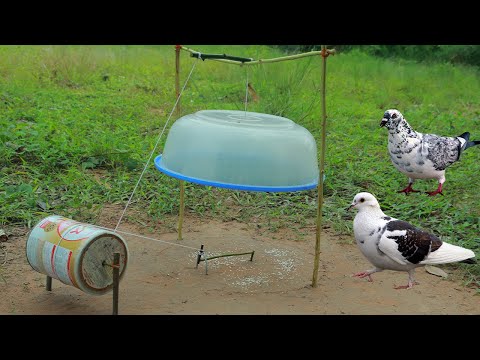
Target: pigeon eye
<point>362,200</point>
<point>394,116</point>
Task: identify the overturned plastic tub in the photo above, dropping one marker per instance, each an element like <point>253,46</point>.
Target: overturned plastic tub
<point>240,150</point>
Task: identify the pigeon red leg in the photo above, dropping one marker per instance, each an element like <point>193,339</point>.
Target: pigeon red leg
<point>363,274</point>
<point>411,281</point>
<point>438,191</point>
<point>408,189</point>
<point>409,286</point>
<point>367,273</point>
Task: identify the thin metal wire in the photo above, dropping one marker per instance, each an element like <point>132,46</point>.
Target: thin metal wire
<point>155,147</point>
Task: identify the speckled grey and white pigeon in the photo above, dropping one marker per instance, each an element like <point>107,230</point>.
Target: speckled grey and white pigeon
<point>392,244</point>
<point>421,156</point>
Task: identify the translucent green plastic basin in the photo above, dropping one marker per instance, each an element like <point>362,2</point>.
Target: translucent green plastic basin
<point>240,150</point>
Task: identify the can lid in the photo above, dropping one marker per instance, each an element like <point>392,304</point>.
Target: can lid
<point>96,271</point>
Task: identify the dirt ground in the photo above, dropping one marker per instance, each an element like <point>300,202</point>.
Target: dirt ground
<point>162,278</point>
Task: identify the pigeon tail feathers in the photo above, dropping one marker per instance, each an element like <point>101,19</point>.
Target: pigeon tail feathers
<point>448,253</point>
<point>471,143</point>
<point>468,143</point>
<point>465,135</point>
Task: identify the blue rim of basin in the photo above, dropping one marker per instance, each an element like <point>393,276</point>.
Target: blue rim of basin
<point>230,185</point>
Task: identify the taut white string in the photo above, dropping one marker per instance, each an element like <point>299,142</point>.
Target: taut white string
<point>155,147</point>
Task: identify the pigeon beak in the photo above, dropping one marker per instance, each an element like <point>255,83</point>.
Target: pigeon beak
<point>351,206</point>
<point>383,122</point>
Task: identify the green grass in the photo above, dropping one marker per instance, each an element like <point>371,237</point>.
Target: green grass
<point>77,124</point>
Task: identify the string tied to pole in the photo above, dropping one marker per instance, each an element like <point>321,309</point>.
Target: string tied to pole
<point>325,52</point>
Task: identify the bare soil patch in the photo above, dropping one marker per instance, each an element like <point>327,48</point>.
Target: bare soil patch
<point>162,278</point>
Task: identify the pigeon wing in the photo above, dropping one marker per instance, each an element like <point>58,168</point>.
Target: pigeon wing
<point>406,244</point>
<point>442,151</point>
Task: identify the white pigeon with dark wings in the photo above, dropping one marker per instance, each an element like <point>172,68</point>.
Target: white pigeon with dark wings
<point>392,244</point>
<point>421,156</point>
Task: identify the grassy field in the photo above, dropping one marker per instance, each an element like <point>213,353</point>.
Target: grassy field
<point>78,123</point>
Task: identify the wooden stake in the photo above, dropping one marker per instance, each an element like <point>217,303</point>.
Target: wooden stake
<point>49,283</point>
<point>116,280</point>
<point>322,171</point>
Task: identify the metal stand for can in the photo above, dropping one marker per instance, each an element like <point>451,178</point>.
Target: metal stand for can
<point>49,283</point>
<point>116,281</point>
<point>116,277</point>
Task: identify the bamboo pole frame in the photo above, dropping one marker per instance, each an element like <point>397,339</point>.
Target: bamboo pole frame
<point>177,112</point>
<point>177,78</point>
<point>266,61</point>
<point>324,53</point>
<point>322,170</point>
<point>181,211</point>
